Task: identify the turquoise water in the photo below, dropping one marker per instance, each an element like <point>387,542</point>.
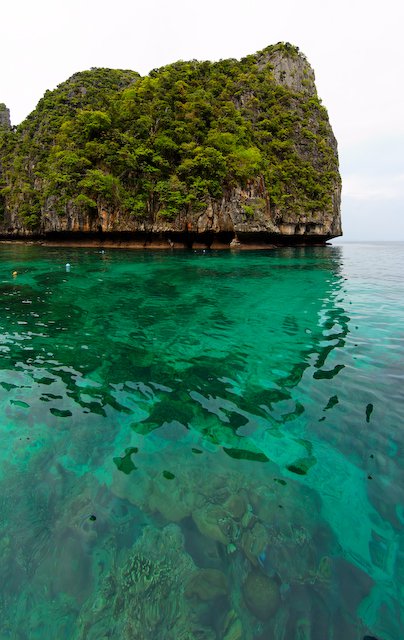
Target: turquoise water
<point>202,445</point>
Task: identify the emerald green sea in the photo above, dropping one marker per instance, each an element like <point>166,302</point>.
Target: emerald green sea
<point>202,445</point>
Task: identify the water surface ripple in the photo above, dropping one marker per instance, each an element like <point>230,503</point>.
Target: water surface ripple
<point>202,445</point>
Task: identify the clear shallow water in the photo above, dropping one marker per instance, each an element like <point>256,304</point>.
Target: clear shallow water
<point>202,445</point>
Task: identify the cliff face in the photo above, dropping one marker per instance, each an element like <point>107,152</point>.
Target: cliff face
<point>5,122</point>
<point>193,152</point>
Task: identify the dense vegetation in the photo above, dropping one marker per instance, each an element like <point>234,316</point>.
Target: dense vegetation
<point>170,142</point>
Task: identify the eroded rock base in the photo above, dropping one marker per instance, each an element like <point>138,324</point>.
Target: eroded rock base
<point>174,240</point>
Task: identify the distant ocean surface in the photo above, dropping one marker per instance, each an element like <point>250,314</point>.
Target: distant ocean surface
<point>202,445</point>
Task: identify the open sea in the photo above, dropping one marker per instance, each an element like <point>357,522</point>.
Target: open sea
<point>202,445</point>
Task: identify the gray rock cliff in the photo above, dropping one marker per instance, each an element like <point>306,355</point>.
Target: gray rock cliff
<point>5,121</point>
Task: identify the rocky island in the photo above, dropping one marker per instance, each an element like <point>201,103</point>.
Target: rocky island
<point>202,154</point>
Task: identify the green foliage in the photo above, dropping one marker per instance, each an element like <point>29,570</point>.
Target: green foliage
<point>100,185</point>
<point>248,210</point>
<point>84,202</point>
<point>169,142</point>
<point>92,124</point>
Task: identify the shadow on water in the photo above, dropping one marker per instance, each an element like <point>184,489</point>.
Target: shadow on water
<point>182,457</point>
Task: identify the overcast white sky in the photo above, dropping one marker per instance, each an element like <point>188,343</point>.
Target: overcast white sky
<point>355,47</point>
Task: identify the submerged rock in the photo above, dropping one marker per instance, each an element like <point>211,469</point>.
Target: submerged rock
<point>292,555</point>
<point>254,541</point>
<point>261,595</point>
<point>213,521</point>
<point>236,506</point>
<point>207,584</point>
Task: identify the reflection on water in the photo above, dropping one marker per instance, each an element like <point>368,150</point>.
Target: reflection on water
<point>201,445</point>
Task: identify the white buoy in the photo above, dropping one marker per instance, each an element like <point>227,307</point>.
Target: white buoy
<point>67,266</point>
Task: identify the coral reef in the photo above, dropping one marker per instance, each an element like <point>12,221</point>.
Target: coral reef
<point>146,597</point>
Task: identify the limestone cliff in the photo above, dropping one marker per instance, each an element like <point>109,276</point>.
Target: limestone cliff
<point>5,122</point>
<point>196,152</point>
